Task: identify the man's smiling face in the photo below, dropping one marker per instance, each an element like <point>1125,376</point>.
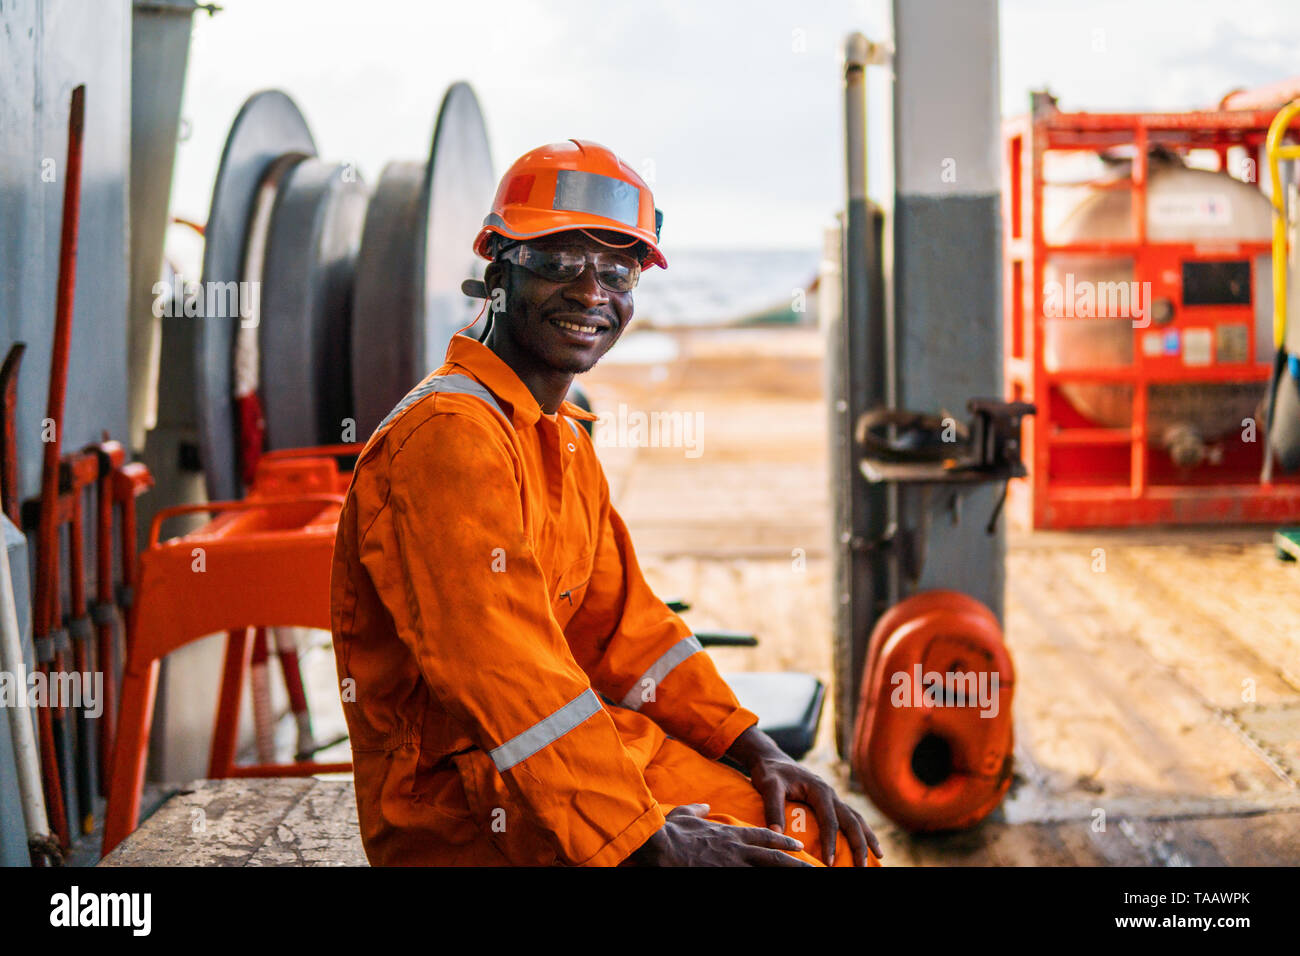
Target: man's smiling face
<point>567,326</point>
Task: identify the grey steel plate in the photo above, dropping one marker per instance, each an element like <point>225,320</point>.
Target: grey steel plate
<point>416,250</point>
<point>387,294</point>
<point>307,302</point>
<point>461,184</point>
<point>268,126</point>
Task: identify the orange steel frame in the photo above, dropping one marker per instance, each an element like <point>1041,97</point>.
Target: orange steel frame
<point>267,564</point>
<point>1081,475</point>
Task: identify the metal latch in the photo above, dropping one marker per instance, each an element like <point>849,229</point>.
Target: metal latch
<point>903,447</point>
<point>910,447</point>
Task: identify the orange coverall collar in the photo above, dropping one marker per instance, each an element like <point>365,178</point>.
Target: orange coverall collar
<point>487,367</point>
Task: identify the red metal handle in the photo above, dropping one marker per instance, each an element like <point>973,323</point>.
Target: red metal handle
<point>249,505</point>
<point>314,451</point>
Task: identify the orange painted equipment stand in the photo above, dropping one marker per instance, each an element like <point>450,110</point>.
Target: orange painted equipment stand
<point>1082,475</point>
<point>260,562</point>
<point>935,761</point>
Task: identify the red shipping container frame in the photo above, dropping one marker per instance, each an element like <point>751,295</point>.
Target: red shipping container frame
<point>1082,475</point>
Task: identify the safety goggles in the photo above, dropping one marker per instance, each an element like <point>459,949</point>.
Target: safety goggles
<point>615,271</point>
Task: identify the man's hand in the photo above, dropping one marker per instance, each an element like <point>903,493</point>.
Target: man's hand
<point>777,778</point>
<point>687,839</point>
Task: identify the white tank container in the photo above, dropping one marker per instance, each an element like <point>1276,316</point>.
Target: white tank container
<point>1183,205</point>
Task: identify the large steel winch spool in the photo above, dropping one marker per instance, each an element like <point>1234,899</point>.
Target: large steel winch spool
<point>307,303</point>
<point>415,253</point>
<point>268,127</point>
<point>346,298</point>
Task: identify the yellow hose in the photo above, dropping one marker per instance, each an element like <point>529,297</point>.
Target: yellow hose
<point>1276,153</point>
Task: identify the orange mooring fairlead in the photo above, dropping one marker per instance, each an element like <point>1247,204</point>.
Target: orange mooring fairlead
<point>933,740</point>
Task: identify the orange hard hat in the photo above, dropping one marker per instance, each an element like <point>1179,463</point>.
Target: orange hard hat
<point>576,184</point>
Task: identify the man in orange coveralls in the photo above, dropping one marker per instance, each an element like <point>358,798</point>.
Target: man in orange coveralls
<point>514,691</point>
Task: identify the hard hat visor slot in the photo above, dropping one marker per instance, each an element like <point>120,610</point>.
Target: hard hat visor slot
<point>579,191</point>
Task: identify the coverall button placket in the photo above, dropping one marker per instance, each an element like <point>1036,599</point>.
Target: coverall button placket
<point>552,461</point>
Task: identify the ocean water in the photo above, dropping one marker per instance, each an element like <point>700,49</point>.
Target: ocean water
<point>721,286</point>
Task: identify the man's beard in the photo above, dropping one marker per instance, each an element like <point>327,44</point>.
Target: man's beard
<point>578,368</point>
<point>567,363</point>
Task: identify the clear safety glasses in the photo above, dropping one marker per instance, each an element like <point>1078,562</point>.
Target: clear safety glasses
<point>615,271</point>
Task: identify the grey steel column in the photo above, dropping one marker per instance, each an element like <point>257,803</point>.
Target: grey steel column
<point>947,261</point>
<point>160,47</point>
<point>856,361</point>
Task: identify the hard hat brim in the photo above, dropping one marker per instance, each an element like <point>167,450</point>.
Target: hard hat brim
<point>520,230</point>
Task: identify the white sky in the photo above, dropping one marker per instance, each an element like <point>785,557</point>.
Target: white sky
<point>740,126</point>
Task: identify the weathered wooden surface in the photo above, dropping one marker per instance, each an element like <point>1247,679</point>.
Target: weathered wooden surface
<point>284,821</point>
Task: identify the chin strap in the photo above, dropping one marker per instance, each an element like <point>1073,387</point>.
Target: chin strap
<point>475,289</point>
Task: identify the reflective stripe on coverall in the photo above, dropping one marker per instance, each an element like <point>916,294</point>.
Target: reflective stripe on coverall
<point>514,691</point>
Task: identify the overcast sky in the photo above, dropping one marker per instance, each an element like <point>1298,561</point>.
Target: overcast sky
<point>733,106</point>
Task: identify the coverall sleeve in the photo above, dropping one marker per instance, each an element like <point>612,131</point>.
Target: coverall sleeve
<point>643,656</point>
<point>454,565</point>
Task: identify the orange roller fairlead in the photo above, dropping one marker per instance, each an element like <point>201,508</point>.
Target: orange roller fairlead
<point>933,741</point>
